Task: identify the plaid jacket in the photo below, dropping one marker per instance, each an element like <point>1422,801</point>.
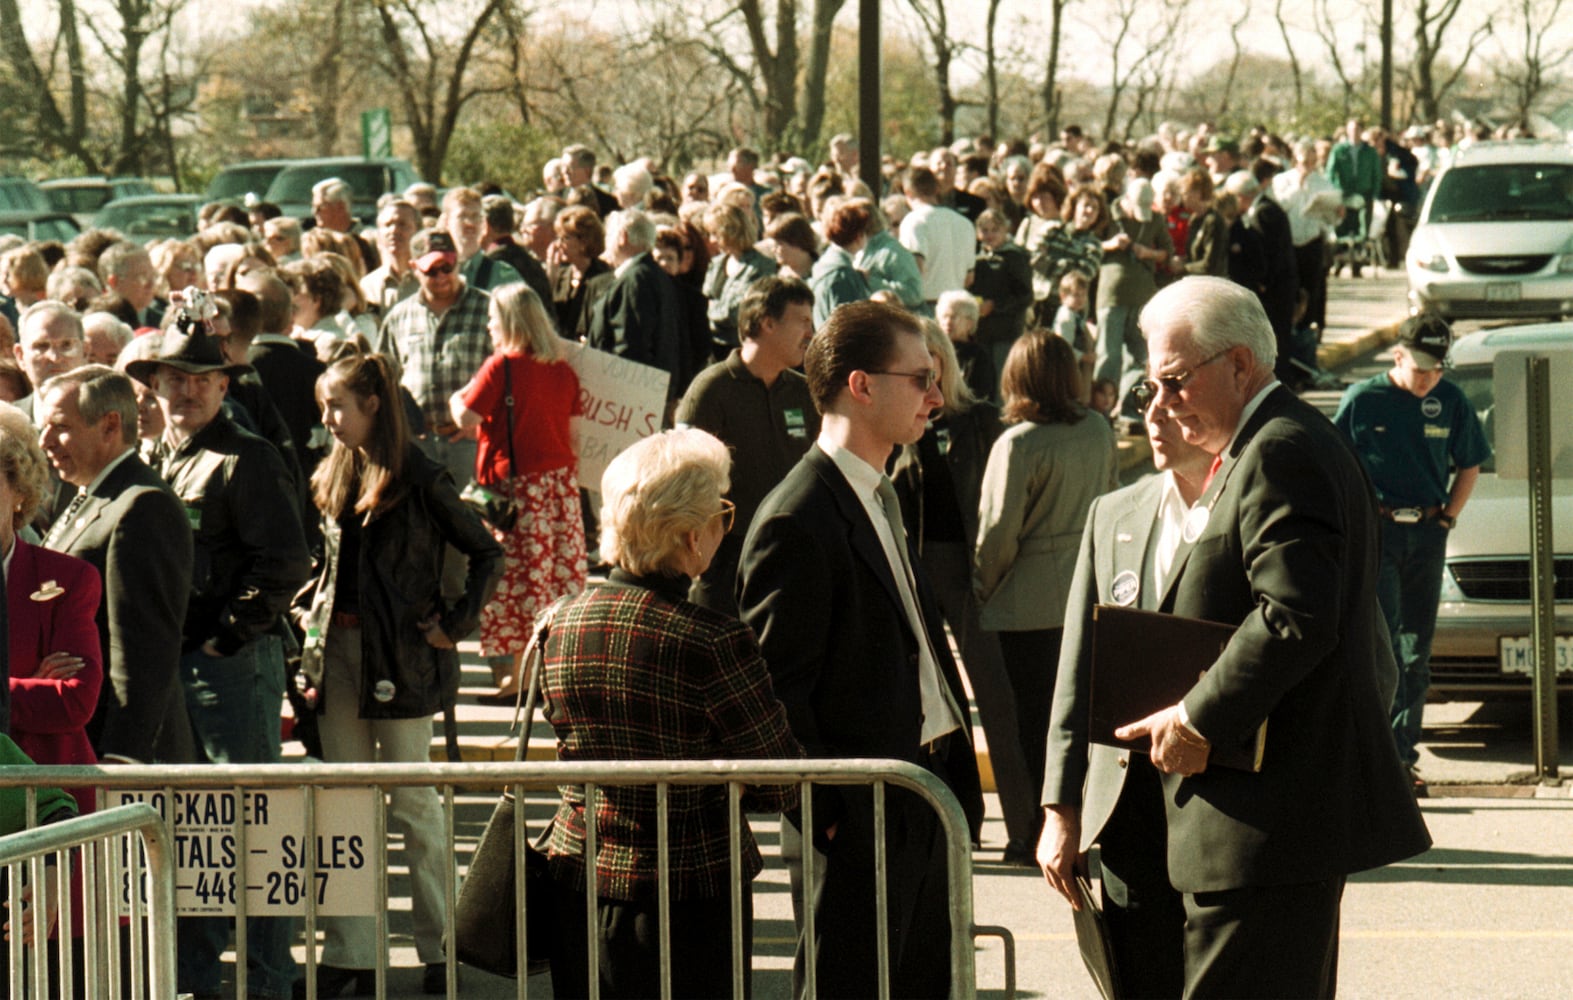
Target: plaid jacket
<point>634,671</point>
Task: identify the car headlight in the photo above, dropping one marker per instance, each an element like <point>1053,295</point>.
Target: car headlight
<point>1436,262</point>
<point>1565,264</point>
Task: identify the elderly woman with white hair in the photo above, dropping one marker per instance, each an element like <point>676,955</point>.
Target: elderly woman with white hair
<point>633,670</point>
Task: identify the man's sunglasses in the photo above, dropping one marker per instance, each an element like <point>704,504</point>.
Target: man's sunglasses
<point>1147,390</point>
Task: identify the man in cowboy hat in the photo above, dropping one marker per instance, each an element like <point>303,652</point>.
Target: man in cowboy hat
<point>250,559</point>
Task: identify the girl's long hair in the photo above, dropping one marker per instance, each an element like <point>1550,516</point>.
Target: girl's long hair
<point>363,479</point>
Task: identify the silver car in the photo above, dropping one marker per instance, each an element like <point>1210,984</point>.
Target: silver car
<point>1482,640</point>
<point>1495,237</point>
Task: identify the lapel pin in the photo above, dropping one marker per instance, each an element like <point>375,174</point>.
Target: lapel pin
<point>47,592</point>
<point>1124,589</point>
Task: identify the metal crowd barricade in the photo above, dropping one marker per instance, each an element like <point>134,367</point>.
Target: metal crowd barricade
<point>134,836</point>
<point>310,779</point>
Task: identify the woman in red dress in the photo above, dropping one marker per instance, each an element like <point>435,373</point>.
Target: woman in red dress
<point>544,552</point>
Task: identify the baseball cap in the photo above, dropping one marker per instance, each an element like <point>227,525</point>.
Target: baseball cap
<point>1427,338</point>
<point>439,248</point>
<point>1223,144</point>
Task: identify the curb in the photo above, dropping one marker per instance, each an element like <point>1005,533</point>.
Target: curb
<point>1342,352</point>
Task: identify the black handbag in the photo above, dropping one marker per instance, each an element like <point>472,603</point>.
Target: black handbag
<point>486,916</point>
<point>495,505</point>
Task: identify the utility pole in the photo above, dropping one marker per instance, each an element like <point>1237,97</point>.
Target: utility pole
<point>868,95</point>
<point>1387,66</point>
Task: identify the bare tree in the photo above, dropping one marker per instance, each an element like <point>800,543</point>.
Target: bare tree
<point>1139,49</point>
<point>1234,63</point>
<point>1294,60</point>
<point>1051,73</point>
<point>1433,19</point>
<point>427,50</point>
<point>1326,25</point>
<point>935,20</point>
<point>991,70</point>
<point>814,73</point>
<point>41,125</point>
<point>775,66</point>
<point>1529,69</point>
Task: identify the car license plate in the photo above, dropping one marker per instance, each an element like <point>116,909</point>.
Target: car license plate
<point>1502,291</point>
<point>1517,654</point>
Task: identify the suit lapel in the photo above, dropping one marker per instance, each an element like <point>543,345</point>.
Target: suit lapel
<point>860,531</point>
<point>1209,499</point>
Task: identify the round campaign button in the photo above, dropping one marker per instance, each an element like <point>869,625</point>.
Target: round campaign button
<point>1195,524</point>
<point>383,692</point>
<point>1431,407</point>
<point>1124,589</point>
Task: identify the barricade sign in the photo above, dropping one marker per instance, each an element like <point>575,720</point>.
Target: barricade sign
<point>620,401</point>
<point>277,877</point>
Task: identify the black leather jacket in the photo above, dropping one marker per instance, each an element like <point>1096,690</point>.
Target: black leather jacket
<point>249,549</point>
<point>400,584</point>
<point>969,436</point>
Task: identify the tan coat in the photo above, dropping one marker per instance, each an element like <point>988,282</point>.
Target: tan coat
<point>1040,481</point>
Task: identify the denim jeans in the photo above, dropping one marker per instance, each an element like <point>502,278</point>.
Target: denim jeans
<point>234,703</point>
<point>1409,586</point>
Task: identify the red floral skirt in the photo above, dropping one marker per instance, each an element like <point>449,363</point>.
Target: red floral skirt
<point>543,558</point>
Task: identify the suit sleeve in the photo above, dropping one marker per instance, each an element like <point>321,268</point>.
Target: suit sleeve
<point>1065,758</point>
<point>147,580</point>
<point>63,706</point>
<point>784,594</point>
<point>1295,555</point>
<point>784,597</point>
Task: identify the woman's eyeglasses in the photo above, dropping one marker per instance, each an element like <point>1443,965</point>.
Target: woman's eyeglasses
<point>727,514</point>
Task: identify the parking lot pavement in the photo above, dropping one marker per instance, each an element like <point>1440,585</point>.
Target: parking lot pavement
<point>1482,914</point>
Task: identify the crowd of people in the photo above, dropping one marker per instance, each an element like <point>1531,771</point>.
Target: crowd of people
<point>235,464</point>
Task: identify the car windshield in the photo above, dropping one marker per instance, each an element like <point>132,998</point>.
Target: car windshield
<point>1519,191</point>
<point>1476,381</point>
<point>237,182</point>
<point>293,186</point>
<point>85,200</point>
<point>18,194</point>
<point>42,229</point>
<point>149,221</point>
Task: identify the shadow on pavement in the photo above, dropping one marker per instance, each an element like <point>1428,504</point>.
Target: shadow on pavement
<point>1447,866</point>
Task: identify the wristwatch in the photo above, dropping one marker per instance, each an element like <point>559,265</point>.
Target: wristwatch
<point>1446,520</point>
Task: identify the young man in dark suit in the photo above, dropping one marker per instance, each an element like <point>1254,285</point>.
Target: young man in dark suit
<point>858,654</point>
<point>126,522</point>
<point>1283,545</point>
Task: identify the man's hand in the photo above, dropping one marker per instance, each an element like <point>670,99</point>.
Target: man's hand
<point>59,666</point>
<point>431,631</point>
<point>1175,749</point>
<point>1057,850</point>
<point>51,906</point>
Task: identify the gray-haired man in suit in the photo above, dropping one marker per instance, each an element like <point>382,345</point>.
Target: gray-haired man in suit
<point>1282,545</point>
<point>132,528</point>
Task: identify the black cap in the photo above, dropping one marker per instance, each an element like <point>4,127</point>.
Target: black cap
<point>1427,338</point>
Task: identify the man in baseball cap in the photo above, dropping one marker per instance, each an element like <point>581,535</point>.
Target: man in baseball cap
<point>1412,429</point>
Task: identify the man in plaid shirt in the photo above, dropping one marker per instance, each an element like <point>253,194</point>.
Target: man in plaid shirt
<point>438,341</point>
